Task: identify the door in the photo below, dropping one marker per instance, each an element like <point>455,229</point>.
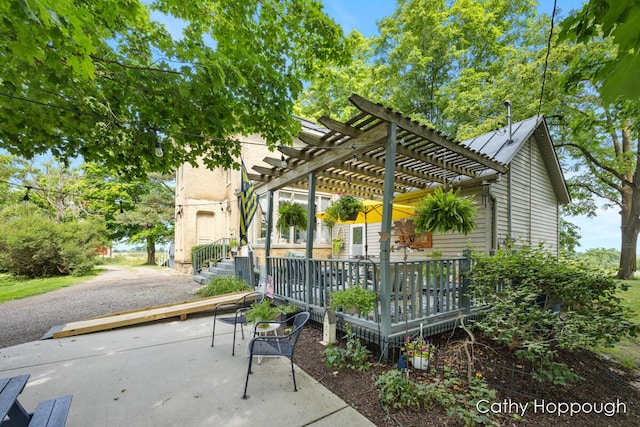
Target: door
<point>356,247</point>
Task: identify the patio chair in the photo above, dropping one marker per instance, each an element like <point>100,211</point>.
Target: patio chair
<point>241,305</point>
<point>279,345</point>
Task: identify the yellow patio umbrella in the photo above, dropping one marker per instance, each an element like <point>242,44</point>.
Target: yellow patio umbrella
<point>373,213</point>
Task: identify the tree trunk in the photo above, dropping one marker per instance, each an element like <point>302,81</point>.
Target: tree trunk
<point>151,252</point>
<point>628,255</point>
<point>629,226</point>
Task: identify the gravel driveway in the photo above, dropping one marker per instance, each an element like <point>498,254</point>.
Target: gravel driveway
<point>117,289</point>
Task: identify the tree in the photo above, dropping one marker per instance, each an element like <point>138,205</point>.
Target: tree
<point>327,94</point>
<point>140,210</point>
<point>108,81</point>
<point>619,20</point>
<point>136,210</point>
<point>601,140</point>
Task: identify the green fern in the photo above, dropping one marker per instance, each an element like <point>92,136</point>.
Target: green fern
<point>441,212</point>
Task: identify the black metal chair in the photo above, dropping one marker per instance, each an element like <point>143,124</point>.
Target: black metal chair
<point>241,305</point>
<point>279,345</point>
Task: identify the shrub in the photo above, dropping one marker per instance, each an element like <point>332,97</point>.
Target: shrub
<point>223,285</point>
<point>538,304</point>
<point>354,356</point>
<point>395,388</point>
<point>34,245</point>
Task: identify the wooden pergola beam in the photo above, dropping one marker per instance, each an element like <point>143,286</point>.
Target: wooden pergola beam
<point>339,127</point>
<point>267,171</point>
<point>372,138</point>
<point>294,152</point>
<point>424,132</point>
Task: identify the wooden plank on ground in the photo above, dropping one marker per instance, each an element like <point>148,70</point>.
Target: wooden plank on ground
<point>150,314</point>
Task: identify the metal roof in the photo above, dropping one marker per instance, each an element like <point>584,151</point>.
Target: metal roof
<point>501,147</point>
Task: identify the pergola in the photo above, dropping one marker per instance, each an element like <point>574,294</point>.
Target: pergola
<point>377,154</point>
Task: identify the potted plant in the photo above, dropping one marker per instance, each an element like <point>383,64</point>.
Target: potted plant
<point>442,212</point>
<point>336,245</point>
<point>355,299</point>
<point>262,312</point>
<point>346,208</point>
<point>233,246</point>
<point>288,312</point>
<point>419,351</point>
<point>291,214</point>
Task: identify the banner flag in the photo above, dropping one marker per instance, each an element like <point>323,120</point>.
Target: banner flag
<point>248,205</point>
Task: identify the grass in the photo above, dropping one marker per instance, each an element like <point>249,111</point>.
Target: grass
<point>130,259</point>
<point>627,351</point>
<point>12,287</point>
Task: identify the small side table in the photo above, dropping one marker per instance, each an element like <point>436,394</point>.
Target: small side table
<point>271,327</point>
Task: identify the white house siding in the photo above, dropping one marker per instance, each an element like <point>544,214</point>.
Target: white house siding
<point>452,244</point>
<point>534,204</point>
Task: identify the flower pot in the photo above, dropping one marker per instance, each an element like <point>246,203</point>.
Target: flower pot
<point>352,310</point>
<point>262,325</point>
<point>352,217</point>
<point>421,363</point>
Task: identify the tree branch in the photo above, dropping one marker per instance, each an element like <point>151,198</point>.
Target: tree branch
<point>133,67</point>
<point>587,154</point>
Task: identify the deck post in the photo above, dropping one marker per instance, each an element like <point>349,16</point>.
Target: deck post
<point>267,245</point>
<point>311,217</point>
<point>385,244</point>
<point>465,266</point>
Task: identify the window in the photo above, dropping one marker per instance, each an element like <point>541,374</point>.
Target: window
<point>295,235</point>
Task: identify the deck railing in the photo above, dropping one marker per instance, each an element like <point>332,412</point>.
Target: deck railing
<point>421,291</point>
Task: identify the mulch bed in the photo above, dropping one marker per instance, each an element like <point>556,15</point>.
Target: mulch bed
<point>603,381</point>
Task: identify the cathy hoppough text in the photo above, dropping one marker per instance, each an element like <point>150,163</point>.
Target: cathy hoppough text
<point>509,406</point>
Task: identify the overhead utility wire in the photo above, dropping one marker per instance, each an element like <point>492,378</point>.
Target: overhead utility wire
<point>100,199</point>
<point>546,59</point>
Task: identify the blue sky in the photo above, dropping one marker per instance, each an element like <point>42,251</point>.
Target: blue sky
<point>602,231</point>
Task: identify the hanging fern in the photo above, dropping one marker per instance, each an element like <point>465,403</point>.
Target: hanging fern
<point>441,212</point>
<point>291,215</point>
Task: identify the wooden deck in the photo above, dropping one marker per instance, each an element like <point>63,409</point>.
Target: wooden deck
<point>134,317</point>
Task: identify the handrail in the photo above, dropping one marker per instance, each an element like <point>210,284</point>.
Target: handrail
<point>420,290</point>
<point>215,252</point>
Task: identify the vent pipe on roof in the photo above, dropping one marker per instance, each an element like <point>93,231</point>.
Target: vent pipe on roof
<point>507,104</point>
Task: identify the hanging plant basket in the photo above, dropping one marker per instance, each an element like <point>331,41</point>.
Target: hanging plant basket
<point>444,212</point>
<point>346,208</point>
<point>291,215</point>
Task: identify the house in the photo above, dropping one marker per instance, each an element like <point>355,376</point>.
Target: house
<point>512,173</point>
<point>207,209</point>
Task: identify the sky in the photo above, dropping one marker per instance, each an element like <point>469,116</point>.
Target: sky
<point>603,231</point>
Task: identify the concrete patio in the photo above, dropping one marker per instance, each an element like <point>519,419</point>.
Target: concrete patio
<point>166,373</point>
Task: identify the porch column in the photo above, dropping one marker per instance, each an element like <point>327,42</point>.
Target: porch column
<point>267,243</point>
<point>385,245</point>
<point>311,219</point>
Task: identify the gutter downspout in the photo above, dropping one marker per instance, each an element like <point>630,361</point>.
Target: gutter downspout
<point>507,104</point>
<point>494,220</point>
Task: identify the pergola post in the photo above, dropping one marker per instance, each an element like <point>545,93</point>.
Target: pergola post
<point>385,244</point>
<point>311,217</point>
<point>267,243</point>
